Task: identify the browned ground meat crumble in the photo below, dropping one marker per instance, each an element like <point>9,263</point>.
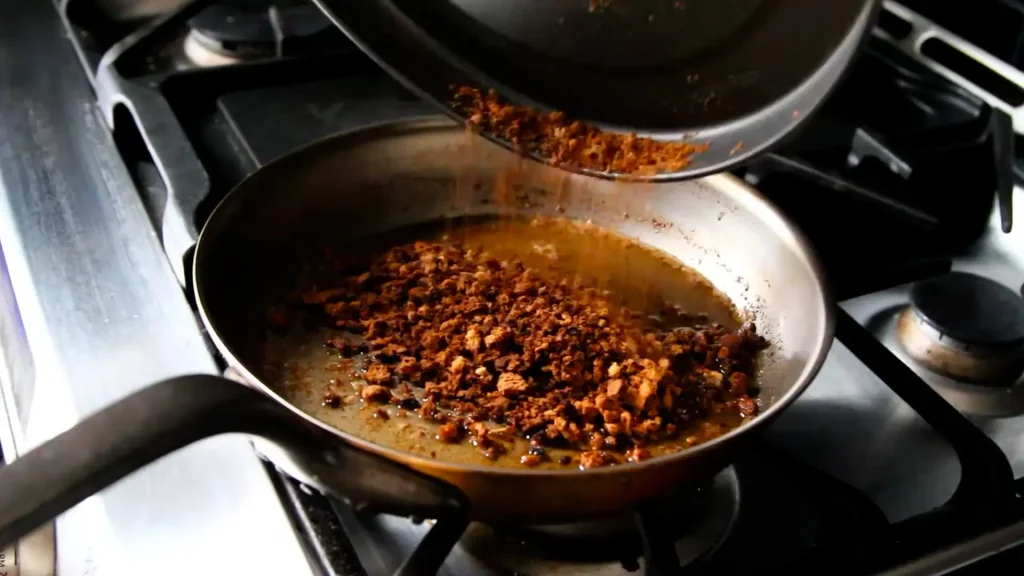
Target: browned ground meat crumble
<point>490,340</point>
<point>566,142</point>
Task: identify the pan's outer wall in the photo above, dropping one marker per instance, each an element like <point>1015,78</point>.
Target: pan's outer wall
<point>383,177</point>
<point>756,83</point>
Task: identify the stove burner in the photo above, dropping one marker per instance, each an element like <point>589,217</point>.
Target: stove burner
<point>695,521</point>
<point>235,30</point>
<point>966,327</point>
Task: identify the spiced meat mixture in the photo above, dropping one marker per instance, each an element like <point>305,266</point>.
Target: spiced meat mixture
<point>469,341</point>
<point>571,143</point>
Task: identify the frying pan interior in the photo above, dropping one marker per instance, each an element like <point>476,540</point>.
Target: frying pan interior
<point>346,189</point>
<point>352,186</point>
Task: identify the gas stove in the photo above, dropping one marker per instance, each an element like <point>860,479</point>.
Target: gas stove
<point>123,124</point>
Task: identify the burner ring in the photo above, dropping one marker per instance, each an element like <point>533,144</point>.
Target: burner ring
<point>927,346</point>
<point>965,326</point>
<point>236,30</point>
<point>258,21</point>
<point>708,512</point>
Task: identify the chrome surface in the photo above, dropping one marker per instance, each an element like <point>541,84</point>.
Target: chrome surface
<point>203,55</point>
<point>100,315</point>
<point>1001,258</point>
<point>179,167</point>
<point>929,347</point>
<point>964,554</point>
<point>34,555</point>
<point>1006,399</point>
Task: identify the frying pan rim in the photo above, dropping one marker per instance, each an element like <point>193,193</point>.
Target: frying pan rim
<point>737,189</point>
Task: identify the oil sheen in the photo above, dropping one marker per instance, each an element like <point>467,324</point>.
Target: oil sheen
<point>300,367</point>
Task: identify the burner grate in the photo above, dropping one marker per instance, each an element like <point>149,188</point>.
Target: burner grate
<point>880,151</point>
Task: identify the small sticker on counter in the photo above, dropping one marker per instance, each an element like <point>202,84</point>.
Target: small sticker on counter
<point>8,562</point>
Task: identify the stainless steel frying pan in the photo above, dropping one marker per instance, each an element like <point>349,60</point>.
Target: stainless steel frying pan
<point>378,179</point>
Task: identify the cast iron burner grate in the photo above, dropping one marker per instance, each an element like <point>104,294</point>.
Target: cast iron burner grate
<point>897,147</point>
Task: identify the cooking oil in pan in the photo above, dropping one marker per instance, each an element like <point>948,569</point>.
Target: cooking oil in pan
<point>300,367</point>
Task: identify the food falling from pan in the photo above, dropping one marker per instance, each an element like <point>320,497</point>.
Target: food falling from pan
<point>569,143</point>
<point>514,342</point>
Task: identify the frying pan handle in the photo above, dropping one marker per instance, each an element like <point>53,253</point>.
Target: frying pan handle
<point>169,415</point>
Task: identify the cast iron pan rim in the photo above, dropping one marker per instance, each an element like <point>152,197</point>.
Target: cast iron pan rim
<point>856,35</point>
<point>742,192</point>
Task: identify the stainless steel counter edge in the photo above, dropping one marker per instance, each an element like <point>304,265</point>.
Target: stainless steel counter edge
<point>964,554</point>
<point>103,316</point>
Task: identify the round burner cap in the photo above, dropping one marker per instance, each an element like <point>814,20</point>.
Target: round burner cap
<point>250,22</point>
<point>970,309</point>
